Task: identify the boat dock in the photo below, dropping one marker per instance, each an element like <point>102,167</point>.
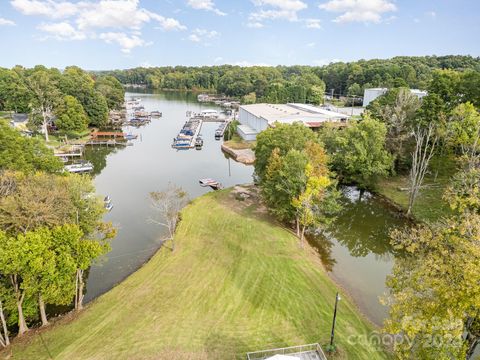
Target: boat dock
<point>187,137</point>
<point>221,129</point>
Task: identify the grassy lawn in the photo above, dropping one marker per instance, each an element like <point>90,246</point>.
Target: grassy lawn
<point>237,143</point>
<point>429,205</point>
<point>235,283</point>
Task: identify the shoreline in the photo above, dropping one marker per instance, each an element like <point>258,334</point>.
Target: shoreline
<point>72,316</point>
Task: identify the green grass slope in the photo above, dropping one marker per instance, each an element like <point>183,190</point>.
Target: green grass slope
<point>235,283</point>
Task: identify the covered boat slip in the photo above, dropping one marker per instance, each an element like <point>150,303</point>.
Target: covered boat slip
<point>187,137</point>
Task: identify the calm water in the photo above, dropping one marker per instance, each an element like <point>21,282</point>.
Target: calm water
<point>128,174</point>
<point>355,250</point>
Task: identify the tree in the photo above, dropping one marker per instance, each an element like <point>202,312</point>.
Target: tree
<point>71,116</point>
<point>43,86</point>
<point>167,204</point>
<point>299,187</point>
<point>284,137</point>
<point>425,142</point>
<point>4,334</point>
<point>399,118</point>
<point>25,154</point>
<point>97,109</point>
<point>316,94</point>
<point>359,152</point>
<point>39,200</point>
<point>434,290</point>
<point>284,181</point>
<point>112,90</point>
<point>464,133</point>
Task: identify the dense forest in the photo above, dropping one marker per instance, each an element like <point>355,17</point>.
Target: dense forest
<point>70,100</point>
<point>297,83</point>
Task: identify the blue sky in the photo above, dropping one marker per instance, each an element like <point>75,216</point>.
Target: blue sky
<point>115,34</point>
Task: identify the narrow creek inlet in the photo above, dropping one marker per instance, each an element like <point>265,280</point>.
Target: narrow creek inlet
<point>355,250</point>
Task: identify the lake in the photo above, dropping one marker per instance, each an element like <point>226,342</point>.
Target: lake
<point>355,250</point>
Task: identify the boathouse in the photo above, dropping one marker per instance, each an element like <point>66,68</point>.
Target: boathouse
<point>255,118</point>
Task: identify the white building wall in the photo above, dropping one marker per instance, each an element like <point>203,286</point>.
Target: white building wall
<point>254,122</point>
<point>371,94</point>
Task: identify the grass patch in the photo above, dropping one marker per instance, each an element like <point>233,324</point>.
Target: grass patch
<point>235,283</point>
<point>237,143</point>
<point>429,205</point>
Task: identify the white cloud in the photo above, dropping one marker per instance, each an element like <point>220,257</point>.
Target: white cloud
<point>126,42</point>
<point>255,25</point>
<point>276,10</point>
<point>311,45</point>
<point>6,22</point>
<point>85,17</point>
<point>431,14</point>
<point>52,9</point>
<point>62,31</point>
<point>200,35</point>
<point>218,59</point>
<point>205,5</point>
<point>359,10</point>
<point>313,23</point>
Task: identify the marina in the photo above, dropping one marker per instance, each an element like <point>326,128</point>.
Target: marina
<point>187,137</point>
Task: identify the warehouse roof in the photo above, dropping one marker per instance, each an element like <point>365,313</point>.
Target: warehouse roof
<point>311,116</point>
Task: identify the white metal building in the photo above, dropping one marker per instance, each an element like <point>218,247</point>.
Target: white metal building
<point>371,94</point>
<point>258,117</point>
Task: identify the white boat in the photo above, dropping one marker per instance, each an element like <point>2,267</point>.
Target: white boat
<point>80,167</point>
<point>215,185</point>
<point>109,207</point>
<point>209,113</point>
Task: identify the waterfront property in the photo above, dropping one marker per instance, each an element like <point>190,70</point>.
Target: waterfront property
<point>255,118</point>
<point>226,290</point>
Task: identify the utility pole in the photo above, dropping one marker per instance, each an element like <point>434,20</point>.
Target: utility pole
<point>337,298</point>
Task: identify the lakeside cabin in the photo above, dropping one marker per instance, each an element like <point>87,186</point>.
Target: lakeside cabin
<point>255,118</point>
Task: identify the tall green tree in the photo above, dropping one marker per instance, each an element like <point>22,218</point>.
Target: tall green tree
<point>112,90</point>
<point>434,289</point>
<point>359,151</point>
<point>71,116</point>
<point>25,154</point>
<point>285,137</point>
<point>43,85</point>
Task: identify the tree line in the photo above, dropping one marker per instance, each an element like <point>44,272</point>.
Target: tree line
<point>435,283</point>
<point>70,100</point>
<point>51,231</point>
<point>305,84</point>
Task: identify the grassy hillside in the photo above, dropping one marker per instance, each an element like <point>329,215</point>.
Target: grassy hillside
<point>235,283</point>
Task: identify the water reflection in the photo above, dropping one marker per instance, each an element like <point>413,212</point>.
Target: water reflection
<point>128,174</point>
<point>356,249</point>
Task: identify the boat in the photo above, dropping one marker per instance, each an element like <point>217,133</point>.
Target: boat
<point>156,114</point>
<point>130,137</point>
<point>107,203</point>
<point>198,143</point>
<point>215,185</point>
<point>81,167</point>
<point>209,113</point>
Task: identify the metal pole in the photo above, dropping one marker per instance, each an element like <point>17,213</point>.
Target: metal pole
<point>337,297</point>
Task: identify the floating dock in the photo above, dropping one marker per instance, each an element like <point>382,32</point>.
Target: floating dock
<point>187,137</point>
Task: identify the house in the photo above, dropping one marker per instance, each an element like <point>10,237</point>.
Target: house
<point>19,121</point>
<point>255,118</point>
<point>371,94</point>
